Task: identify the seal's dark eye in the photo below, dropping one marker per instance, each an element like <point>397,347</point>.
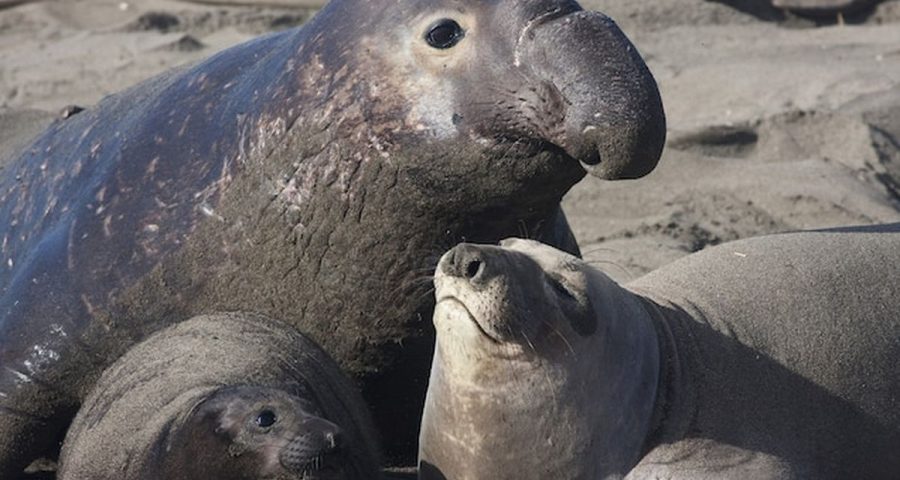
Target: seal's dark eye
<point>560,289</point>
<point>444,34</point>
<point>266,418</point>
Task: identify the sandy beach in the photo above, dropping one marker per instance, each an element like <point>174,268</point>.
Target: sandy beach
<point>776,122</point>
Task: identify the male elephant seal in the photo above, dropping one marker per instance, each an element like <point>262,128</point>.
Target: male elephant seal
<point>222,397</point>
<point>312,176</point>
<point>774,357</point>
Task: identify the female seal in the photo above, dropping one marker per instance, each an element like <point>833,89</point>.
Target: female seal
<point>773,357</point>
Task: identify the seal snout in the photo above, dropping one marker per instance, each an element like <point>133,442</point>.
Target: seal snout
<point>314,448</point>
<point>467,262</point>
<point>467,280</point>
<point>547,12</point>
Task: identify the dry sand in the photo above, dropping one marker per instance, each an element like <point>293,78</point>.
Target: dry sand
<point>775,123</point>
<point>773,126</point>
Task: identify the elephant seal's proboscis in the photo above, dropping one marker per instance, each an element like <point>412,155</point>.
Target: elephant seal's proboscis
<point>772,357</point>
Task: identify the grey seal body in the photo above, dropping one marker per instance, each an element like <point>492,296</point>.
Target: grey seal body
<point>824,7</point>
<point>225,397</point>
<point>310,176</point>
<point>773,357</point>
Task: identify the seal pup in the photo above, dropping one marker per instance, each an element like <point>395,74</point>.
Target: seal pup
<point>773,357</point>
<point>224,397</point>
<point>307,175</point>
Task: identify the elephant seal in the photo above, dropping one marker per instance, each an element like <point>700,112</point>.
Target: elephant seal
<point>824,7</point>
<point>226,396</point>
<point>773,357</point>
<point>312,176</point>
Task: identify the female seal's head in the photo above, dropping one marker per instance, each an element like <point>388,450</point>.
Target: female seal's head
<point>544,368</point>
<point>518,299</point>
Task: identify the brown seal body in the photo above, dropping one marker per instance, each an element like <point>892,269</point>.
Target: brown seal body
<point>310,175</point>
<point>222,397</point>
<point>773,357</point>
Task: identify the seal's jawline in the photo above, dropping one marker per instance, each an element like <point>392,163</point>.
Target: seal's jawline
<point>317,463</point>
<point>452,299</point>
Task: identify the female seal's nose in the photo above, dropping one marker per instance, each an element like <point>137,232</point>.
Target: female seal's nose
<point>465,261</point>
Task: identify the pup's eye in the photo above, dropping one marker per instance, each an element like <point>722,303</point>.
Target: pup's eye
<point>266,418</point>
<point>560,289</point>
<point>444,34</point>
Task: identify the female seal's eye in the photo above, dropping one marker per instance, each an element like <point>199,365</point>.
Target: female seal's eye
<point>444,34</point>
<point>560,289</point>
<point>266,418</point>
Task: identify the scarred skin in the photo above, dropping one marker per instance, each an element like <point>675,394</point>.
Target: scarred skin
<point>314,176</point>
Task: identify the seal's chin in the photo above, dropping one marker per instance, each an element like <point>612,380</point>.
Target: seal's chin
<point>523,147</point>
<point>450,308</point>
<point>322,467</point>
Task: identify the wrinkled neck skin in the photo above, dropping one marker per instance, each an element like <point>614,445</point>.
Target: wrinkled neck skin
<point>353,122</point>
<point>556,412</point>
<point>373,108</point>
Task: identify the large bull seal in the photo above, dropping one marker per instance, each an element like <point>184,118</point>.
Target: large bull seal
<point>312,176</point>
<point>774,357</point>
<point>222,397</point>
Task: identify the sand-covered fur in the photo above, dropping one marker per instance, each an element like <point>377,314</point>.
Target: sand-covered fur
<point>145,417</point>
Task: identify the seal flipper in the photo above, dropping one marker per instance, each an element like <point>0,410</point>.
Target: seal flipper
<point>44,362</point>
<point>42,359</point>
<point>32,434</point>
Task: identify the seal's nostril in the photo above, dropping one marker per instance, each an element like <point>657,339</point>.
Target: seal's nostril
<point>466,262</point>
<point>473,268</point>
<point>333,440</point>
